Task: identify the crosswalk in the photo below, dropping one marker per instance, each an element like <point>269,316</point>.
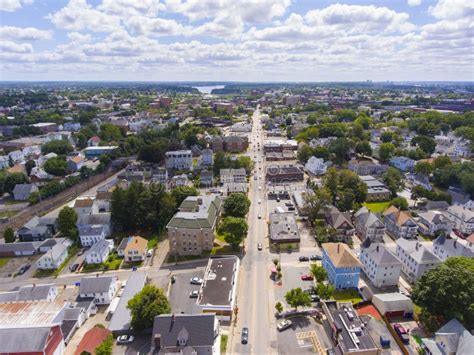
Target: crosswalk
<point>318,349</point>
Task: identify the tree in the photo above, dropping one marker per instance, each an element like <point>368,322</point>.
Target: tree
<point>236,205</point>
<point>399,202</point>
<point>386,137</point>
<point>423,167</point>
<point>319,272</point>
<point>105,348</point>
<point>304,153</point>
<point>296,297</point>
<point>279,307</point>
<point>109,132</point>
<point>29,165</point>
<point>454,277</point>
<point>324,291</point>
<point>60,147</point>
<point>146,305</point>
<point>386,151</point>
<point>153,152</point>
<point>234,230</point>
<point>12,179</point>
<point>315,203</point>
<point>67,219</point>
<point>181,192</point>
<point>340,148</point>
<point>56,166</point>
<point>394,180</point>
<point>425,143</point>
<point>363,148</point>
<point>9,235</point>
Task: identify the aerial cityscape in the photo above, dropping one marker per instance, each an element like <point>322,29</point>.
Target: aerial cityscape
<point>236,177</point>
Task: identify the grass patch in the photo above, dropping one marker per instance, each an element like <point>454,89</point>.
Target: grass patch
<point>131,264</point>
<point>346,296</point>
<point>223,343</point>
<point>221,238</point>
<point>416,310</point>
<point>171,258</point>
<point>8,214</point>
<point>43,273</point>
<point>377,207</point>
<point>225,249</point>
<point>153,242</point>
<point>4,261</point>
<point>13,202</point>
<point>72,251</point>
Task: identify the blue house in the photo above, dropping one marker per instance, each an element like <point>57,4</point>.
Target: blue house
<point>342,265</point>
<point>403,163</point>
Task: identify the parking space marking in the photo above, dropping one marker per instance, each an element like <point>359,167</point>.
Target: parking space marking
<point>318,349</point>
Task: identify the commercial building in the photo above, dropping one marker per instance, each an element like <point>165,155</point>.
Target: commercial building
<point>379,264</point>
<point>376,190</point>
<point>230,176</point>
<point>191,230</point>
<point>218,291</point>
<point>283,231</point>
<point>342,265</point>
<point>280,174</point>
<point>393,304</point>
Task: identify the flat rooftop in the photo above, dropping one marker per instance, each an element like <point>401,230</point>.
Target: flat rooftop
<point>220,279</point>
<point>283,228</point>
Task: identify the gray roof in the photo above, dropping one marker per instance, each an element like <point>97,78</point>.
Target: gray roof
<point>97,218</point>
<point>380,254</point>
<point>34,292</point>
<point>95,284</point>
<point>15,340</point>
<point>55,252</point>
<point>20,246</point>
<point>197,212</point>
<point>453,247</point>
<point>99,247</point>
<point>88,229</point>
<point>219,282</point>
<point>198,328</point>
<point>23,190</point>
<point>456,337</point>
<point>121,317</point>
<point>367,219</point>
<point>283,228</point>
<point>337,218</point>
<point>123,243</point>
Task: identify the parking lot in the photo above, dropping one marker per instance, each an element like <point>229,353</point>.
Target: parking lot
<point>141,345</point>
<point>376,329</point>
<point>292,279</point>
<point>305,336</point>
<point>14,264</point>
<point>413,330</point>
<point>180,290</point>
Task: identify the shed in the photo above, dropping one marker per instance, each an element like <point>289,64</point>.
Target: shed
<point>393,304</point>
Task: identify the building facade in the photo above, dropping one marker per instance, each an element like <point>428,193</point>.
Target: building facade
<point>342,265</point>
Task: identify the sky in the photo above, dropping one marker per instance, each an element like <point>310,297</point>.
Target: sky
<point>237,40</point>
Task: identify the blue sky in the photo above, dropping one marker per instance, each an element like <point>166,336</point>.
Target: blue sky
<point>247,40</point>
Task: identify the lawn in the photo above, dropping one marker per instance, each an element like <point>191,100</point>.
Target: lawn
<point>225,249</point>
<point>72,250</point>
<point>347,296</point>
<point>4,261</point>
<point>153,242</point>
<point>8,214</point>
<point>377,207</point>
<point>223,343</point>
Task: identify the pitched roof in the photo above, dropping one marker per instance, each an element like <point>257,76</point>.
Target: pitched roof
<point>197,212</point>
<point>84,202</point>
<point>137,243</point>
<point>91,340</point>
<point>336,218</point>
<point>380,254</point>
<point>95,284</point>
<point>23,340</point>
<point>197,328</point>
<point>399,217</point>
<point>340,255</point>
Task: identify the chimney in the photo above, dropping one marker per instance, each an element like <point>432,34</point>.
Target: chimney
<point>199,200</point>
<point>377,248</point>
<point>338,247</point>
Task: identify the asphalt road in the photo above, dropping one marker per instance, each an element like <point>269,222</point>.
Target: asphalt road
<point>255,299</point>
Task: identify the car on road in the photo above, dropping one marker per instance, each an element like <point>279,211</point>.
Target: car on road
<point>194,294</point>
<point>259,246</point>
<point>307,277</point>
<point>255,177</point>
<point>149,253</point>
<point>24,269</point>
<point>303,258</point>
<point>260,188</point>
<point>259,201</point>
<point>315,257</point>
<point>284,325</point>
<point>173,279</point>
<point>245,335</point>
<point>259,216</point>
<point>125,339</point>
<point>196,281</point>
<point>74,267</point>
<point>278,199</point>
<point>402,333</point>
<point>80,252</point>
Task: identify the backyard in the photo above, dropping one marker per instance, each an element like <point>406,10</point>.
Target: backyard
<point>377,207</point>
<point>346,296</point>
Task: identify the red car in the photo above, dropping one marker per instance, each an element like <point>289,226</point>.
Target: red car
<point>307,277</point>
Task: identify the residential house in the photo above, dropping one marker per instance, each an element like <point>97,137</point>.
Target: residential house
<point>451,338</point>
<point>83,205</point>
<point>91,234</point>
<point>54,257</point>
<point>376,190</point>
<point>97,152</point>
<point>75,163</point>
<point>228,176</point>
<point>399,223</point>
<point>122,246</point>
<point>366,167</point>
<point>317,166</point>
<point>416,258</point>
<point>461,218</point>
<point>459,197</point>
<point>444,248</point>
<point>44,158</point>
<point>99,252</point>
<point>179,160</point>
<point>321,142</point>
<point>341,264</point>
<point>4,162</point>
<point>179,180</point>
<point>419,180</point>
<point>34,230</point>
<point>186,333</point>
<point>136,249</point>
<point>93,141</point>
<point>196,151</point>
<point>430,222</point>
<point>22,192</point>
<point>207,178</point>
<point>101,288</point>
<point>341,223</point>
<point>379,264</point>
<point>94,220</point>
<point>207,157</point>
<point>16,156</point>
<point>159,175</point>
<point>403,163</point>
<point>368,225</point>
<point>191,230</point>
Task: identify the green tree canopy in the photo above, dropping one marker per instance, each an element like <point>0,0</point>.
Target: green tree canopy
<point>146,305</point>
<point>314,204</point>
<point>67,219</point>
<point>9,235</point>
<point>423,167</point>
<point>324,291</point>
<point>60,147</point>
<point>318,272</point>
<point>399,202</point>
<point>180,193</point>
<point>56,166</point>
<point>234,230</point>
<point>296,297</point>
<point>236,205</point>
<point>386,151</point>
<point>394,180</point>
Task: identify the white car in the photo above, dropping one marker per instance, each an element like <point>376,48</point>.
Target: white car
<point>284,324</point>
<point>259,216</point>
<point>196,281</point>
<point>194,294</point>
<point>125,339</point>
<point>149,253</point>
<point>260,188</point>
<point>259,201</point>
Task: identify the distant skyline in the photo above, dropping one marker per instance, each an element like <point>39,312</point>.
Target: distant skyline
<point>245,41</point>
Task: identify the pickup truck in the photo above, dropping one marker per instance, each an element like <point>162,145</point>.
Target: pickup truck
<point>402,333</point>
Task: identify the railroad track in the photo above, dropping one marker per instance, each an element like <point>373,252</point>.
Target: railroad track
<point>45,206</point>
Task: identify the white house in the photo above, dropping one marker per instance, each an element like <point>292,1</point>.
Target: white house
<point>403,163</point>
<point>416,258</point>
<point>207,158</point>
<point>431,222</point>
<point>99,252</point>
<point>419,180</point>
<point>83,205</point>
<point>16,156</point>
<point>368,225</point>
<point>461,218</point>
<point>54,257</point>
<point>4,163</point>
<point>379,264</point>
<point>101,289</point>
<point>444,248</point>
<point>179,159</point>
<point>91,234</point>
<point>399,223</point>
<point>317,166</point>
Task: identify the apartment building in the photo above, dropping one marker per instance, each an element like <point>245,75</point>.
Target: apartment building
<point>179,160</point>
<point>416,258</point>
<point>379,264</point>
<point>368,225</point>
<point>341,264</point>
<point>399,223</point>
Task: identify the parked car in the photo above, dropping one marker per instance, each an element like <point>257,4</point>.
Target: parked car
<point>307,277</point>
<point>194,294</point>
<point>315,257</point>
<point>259,216</point>
<point>284,325</point>
<point>303,258</point>
<point>196,281</point>
<point>149,253</point>
<point>73,267</point>
<point>385,341</point>
<point>245,335</point>
<point>402,333</point>
<point>24,269</point>
<point>80,252</point>
<point>125,339</point>
<point>173,279</point>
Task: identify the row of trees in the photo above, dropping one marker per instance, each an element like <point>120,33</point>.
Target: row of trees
<point>234,226</point>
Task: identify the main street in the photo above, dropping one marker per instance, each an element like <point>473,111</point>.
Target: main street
<point>255,290</point>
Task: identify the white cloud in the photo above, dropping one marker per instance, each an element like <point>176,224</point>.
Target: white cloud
<point>127,8</point>
<point>9,46</point>
<point>13,5</point>
<point>23,34</point>
<point>413,3</point>
<point>453,9</point>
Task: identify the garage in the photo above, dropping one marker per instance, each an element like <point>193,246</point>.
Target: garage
<point>393,304</point>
